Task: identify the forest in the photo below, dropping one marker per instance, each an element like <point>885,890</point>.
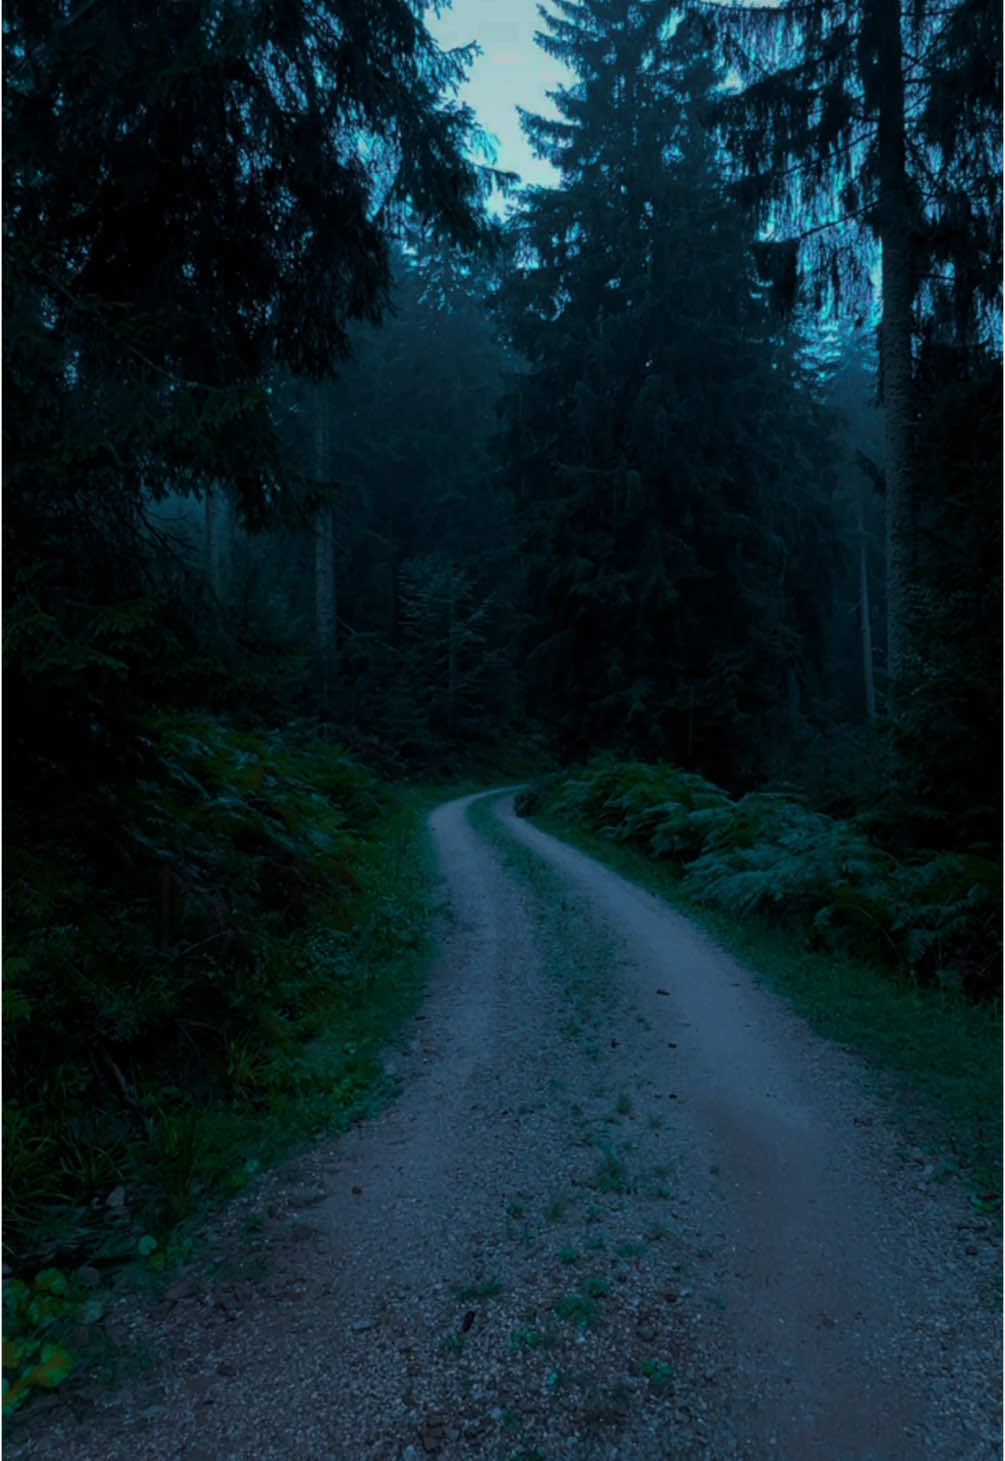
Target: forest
<point>341,467</point>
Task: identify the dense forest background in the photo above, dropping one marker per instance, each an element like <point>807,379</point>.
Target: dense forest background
<point>334,458</point>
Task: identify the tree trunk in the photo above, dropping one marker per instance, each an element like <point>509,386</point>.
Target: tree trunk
<point>894,217</point>
<point>324,574</point>
<point>218,529</point>
<point>210,542</point>
<point>865,614</point>
<point>452,655</point>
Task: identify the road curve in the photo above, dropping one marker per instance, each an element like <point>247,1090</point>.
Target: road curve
<point>856,1313</point>
<point>625,1208</point>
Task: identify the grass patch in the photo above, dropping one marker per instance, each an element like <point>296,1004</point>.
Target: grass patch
<point>611,1174</point>
<point>530,1338</point>
<point>583,1307</point>
<point>659,1374</point>
<point>489,1289</point>
<point>579,957</point>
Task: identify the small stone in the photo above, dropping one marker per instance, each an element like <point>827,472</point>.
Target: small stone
<point>359,1326</point>
<point>116,1198</point>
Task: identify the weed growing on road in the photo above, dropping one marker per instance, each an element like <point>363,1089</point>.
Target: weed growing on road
<point>490,1288</point>
<point>631,1250</point>
<point>582,1307</point>
<point>612,1174</point>
<point>659,1374</point>
<point>530,1338</point>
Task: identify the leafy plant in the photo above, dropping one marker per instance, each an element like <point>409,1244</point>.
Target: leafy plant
<point>582,1307</point>
<point>31,1361</point>
<point>659,1374</point>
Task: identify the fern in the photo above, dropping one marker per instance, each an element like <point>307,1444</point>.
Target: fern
<point>938,919</point>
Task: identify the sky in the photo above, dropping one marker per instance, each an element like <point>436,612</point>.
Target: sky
<point>511,71</point>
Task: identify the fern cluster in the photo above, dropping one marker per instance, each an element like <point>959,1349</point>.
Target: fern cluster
<point>936,917</point>
<point>198,959</point>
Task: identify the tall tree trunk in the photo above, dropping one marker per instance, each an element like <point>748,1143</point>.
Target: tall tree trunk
<point>218,530</point>
<point>865,614</point>
<point>895,336</point>
<point>324,572</point>
<point>452,655</point>
<point>210,543</point>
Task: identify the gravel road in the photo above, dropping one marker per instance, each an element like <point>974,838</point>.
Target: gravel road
<point>625,1208</point>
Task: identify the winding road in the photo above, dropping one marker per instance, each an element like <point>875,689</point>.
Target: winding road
<point>627,1207</point>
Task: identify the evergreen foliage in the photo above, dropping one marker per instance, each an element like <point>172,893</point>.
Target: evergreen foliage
<point>935,917</point>
<point>427,579</point>
<point>667,457</point>
<point>873,118</point>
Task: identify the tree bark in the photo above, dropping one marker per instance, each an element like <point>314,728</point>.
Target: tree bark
<point>452,654</point>
<point>894,218</point>
<point>210,545</point>
<point>218,531</point>
<point>865,614</point>
<point>324,574</point>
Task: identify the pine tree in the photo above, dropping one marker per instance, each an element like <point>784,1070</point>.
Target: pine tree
<point>866,118</point>
<point>194,197</point>
<point>658,445</point>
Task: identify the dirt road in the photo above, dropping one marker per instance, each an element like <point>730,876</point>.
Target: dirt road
<point>626,1208</point>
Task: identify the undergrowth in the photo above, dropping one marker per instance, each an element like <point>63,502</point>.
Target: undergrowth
<point>883,955</point>
<point>195,999</point>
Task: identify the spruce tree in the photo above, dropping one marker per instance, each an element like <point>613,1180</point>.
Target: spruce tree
<point>659,446</point>
<point>861,120</point>
<point>195,196</point>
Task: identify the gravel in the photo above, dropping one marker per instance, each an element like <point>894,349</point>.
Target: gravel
<point>626,1208</point>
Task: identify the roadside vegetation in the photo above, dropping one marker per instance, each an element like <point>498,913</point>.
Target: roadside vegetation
<point>897,958</point>
<point>208,996</point>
